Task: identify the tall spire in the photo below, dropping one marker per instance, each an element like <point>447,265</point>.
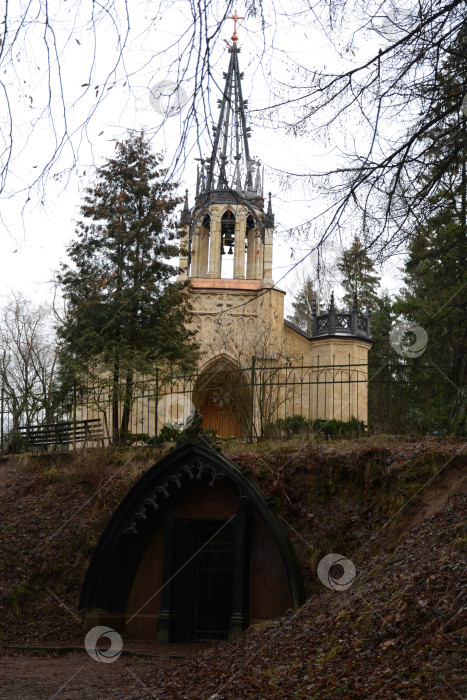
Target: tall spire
<point>230,166</point>
<point>269,217</point>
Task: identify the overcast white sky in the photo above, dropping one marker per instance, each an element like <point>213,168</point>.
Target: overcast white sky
<point>35,233</point>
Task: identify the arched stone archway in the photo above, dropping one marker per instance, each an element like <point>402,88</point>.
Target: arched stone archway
<point>193,553</point>
<point>222,395</point>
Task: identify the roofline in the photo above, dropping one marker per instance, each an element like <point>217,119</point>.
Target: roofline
<point>297,329</point>
<point>343,336</point>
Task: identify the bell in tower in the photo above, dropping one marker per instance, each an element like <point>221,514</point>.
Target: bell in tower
<point>228,231</point>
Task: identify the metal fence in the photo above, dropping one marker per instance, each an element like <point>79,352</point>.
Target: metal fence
<point>416,399</point>
<point>254,402</point>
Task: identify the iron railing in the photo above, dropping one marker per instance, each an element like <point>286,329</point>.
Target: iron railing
<point>250,402</point>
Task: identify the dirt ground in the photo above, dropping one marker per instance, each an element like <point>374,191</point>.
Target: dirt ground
<point>69,676</point>
<point>399,632</point>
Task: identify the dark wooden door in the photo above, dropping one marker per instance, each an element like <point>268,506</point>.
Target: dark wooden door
<point>203,590</point>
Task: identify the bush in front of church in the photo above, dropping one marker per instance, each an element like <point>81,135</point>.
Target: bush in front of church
<point>297,424</point>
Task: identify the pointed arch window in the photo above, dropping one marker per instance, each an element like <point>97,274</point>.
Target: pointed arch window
<point>250,225</point>
<point>228,232</point>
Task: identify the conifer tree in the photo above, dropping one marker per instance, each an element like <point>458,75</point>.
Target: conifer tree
<point>382,320</point>
<point>358,276</point>
<point>302,306</point>
<point>435,292</point>
<point>125,315</point>
<point>435,298</point>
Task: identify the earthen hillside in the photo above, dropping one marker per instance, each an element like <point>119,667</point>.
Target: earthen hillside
<point>396,508</point>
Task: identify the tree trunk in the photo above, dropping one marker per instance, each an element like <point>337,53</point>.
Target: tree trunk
<point>127,404</point>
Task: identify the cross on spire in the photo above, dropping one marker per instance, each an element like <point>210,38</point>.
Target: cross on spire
<point>230,166</point>
<point>235,17</point>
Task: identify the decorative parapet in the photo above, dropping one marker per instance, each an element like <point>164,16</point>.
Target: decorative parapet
<point>352,324</point>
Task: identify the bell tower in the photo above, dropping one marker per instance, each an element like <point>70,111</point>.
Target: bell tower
<point>228,217</point>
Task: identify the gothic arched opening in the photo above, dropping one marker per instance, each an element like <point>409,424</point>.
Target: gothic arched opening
<point>227,244</point>
<point>222,396</point>
<point>189,554</point>
<point>228,232</point>
<point>249,232</point>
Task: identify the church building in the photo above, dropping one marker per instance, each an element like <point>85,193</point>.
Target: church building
<point>238,312</point>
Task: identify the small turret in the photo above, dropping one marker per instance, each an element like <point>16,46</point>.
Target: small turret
<point>185,216</point>
<point>269,217</point>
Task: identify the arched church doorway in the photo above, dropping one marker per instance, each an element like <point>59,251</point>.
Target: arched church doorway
<point>221,394</point>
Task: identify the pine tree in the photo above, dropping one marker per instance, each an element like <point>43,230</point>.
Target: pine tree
<point>446,141</point>
<point>302,306</point>
<point>358,276</point>
<point>382,320</point>
<point>388,383</point>
<point>125,315</point>
<point>435,293</point>
<point>435,298</point>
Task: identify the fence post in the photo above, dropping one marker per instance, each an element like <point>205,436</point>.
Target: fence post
<point>74,415</point>
<point>301,389</point>
<point>156,424</point>
<point>252,396</point>
<point>368,394</point>
<point>350,395</point>
<point>1,422</point>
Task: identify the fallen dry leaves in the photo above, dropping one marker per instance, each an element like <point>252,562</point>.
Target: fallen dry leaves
<point>398,632</point>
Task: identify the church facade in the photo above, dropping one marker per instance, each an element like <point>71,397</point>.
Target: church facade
<point>238,312</point>
<point>195,552</point>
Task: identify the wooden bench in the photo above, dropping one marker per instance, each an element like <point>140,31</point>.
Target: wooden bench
<point>66,433</point>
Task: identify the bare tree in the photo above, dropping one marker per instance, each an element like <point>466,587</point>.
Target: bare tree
<point>63,66</point>
<point>386,113</point>
<point>384,99</point>
<point>28,361</point>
